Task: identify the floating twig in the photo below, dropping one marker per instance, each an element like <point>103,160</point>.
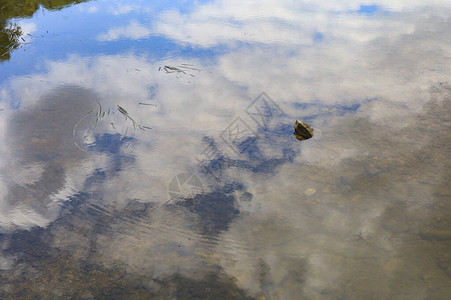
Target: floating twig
<point>179,69</point>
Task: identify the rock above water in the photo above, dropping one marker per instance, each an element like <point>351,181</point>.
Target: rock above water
<point>302,130</point>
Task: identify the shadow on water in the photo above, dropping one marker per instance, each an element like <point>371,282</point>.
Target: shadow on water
<point>64,276</point>
<point>64,273</point>
<point>44,146</point>
<point>10,33</point>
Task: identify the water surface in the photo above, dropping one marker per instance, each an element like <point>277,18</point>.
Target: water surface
<point>148,150</point>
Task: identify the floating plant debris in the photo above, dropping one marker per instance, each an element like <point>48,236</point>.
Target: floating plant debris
<point>150,104</point>
<point>179,70</point>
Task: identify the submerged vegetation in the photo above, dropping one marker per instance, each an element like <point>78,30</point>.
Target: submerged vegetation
<point>11,33</point>
<point>100,114</point>
<point>9,38</point>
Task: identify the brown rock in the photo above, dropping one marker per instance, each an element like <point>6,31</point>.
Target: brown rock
<point>302,130</point>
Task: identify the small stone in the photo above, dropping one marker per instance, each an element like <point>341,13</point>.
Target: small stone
<point>309,192</point>
<point>302,130</point>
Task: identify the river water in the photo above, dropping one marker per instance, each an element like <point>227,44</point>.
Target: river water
<point>148,149</point>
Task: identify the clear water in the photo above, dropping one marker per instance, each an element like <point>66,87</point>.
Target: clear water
<point>148,150</point>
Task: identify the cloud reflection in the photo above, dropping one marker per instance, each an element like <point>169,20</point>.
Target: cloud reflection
<point>346,204</point>
<point>132,31</point>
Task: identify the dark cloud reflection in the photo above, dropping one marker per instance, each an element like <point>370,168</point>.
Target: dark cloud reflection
<point>44,149</point>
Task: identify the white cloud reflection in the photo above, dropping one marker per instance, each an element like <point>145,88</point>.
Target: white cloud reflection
<point>290,23</point>
<point>134,31</point>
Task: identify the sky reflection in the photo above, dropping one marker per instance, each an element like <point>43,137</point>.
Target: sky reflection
<point>357,212</point>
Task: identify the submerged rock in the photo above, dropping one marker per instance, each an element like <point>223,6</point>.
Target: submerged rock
<point>309,192</point>
<point>302,130</point>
